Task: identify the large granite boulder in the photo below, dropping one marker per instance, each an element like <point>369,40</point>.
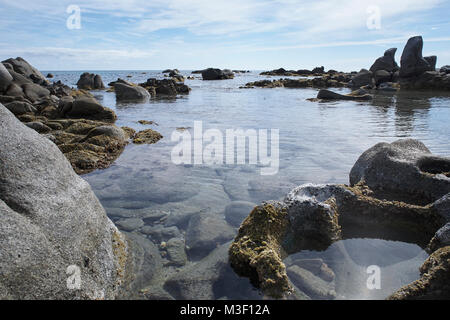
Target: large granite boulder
<point>54,230</point>
<point>386,62</point>
<point>217,74</point>
<point>405,168</point>
<point>412,62</point>
<point>90,81</point>
<point>125,92</point>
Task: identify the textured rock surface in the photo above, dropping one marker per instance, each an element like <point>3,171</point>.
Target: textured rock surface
<point>51,220</point>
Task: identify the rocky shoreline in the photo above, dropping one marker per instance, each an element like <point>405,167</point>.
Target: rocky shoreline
<point>73,119</point>
<point>414,73</point>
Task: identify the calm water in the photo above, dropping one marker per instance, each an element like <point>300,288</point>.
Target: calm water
<point>319,143</point>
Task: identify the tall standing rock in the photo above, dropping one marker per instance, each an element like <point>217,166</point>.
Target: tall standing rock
<point>412,61</point>
<point>386,62</point>
<point>56,241</point>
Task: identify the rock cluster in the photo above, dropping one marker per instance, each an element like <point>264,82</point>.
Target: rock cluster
<point>333,80</point>
<point>398,191</point>
<point>74,120</point>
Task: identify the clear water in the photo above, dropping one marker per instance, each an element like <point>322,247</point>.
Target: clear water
<point>319,143</point>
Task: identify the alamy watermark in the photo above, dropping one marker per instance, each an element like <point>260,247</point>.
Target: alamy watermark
<point>74,19</point>
<point>374,19</point>
<point>213,147</point>
<point>374,279</point>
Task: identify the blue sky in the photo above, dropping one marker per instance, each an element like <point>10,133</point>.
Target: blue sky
<point>237,34</point>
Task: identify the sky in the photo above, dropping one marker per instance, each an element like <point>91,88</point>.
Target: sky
<point>235,34</point>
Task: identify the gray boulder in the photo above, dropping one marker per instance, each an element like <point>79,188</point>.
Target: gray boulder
<point>405,168</point>
<point>35,92</point>
<point>90,81</point>
<point>313,286</point>
<point>52,225</point>
<point>14,91</point>
<point>38,126</point>
<point>412,61</point>
<point>5,78</point>
<point>205,232</point>
<point>126,92</point>
<point>325,94</point>
<point>362,78</point>
<point>19,107</point>
<point>89,108</point>
<point>22,67</point>
<point>386,62</point>
<point>217,74</point>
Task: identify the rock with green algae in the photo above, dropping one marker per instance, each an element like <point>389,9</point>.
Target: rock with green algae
<point>53,226</point>
<point>256,252</point>
<point>148,136</point>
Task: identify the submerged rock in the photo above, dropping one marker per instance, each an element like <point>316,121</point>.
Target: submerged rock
<point>197,281</point>
<point>52,224</point>
<point>398,192</point>
<point>205,232</point>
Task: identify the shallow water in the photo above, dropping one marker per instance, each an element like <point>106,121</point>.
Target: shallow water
<point>319,143</point>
